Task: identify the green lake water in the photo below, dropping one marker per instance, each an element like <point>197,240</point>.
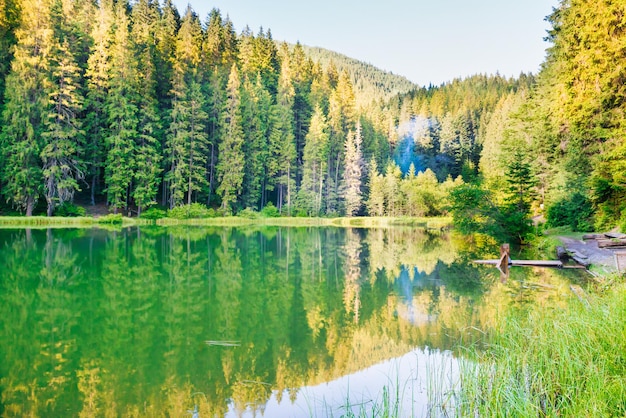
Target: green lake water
<point>221,322</point>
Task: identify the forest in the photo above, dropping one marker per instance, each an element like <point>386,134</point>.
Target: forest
<point>137,106</point>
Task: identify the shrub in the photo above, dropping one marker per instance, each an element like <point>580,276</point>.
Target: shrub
<point>270,211</point>
<point>248,213</point>
<point>574,211</point>
<point>153,213</point>
<point>111,219</point>
<point>193,211</point>
<point>68,209</point>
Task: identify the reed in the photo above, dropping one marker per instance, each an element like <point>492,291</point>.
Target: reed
<point>560,362</point>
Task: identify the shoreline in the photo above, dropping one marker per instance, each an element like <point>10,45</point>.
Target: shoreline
<point>433,223</point>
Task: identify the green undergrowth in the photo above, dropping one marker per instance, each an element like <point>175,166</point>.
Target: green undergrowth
<point>553,362</point>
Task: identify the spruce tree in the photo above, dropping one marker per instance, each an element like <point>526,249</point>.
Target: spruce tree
<point>146,176</point>
<point>63,136</point>
<point>376,200</point>
<point>187,143</point>
<point>353,173</point>
<point>26,105</point>
<point>315,159</point>
<point>121,108</point>
<point>282,152</point>
<point>98,76</point>
<point>255,104</point>
<point>231,157</point>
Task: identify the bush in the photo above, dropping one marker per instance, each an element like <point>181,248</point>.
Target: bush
<point>68,209</point>
<point>270,211</point>
<point>574,211</point>
<point>111,219</point>
<point>153,213</point>
<point>193,211</point>
<point>248,213</point>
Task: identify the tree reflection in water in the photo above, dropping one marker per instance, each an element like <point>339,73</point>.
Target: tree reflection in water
<point>116,323</point>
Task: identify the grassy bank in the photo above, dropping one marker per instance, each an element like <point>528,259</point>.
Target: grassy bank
<point>561,362</point>
<point>230,221</point>
<point>68,222</point>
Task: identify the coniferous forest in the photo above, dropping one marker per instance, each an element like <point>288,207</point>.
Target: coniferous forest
<point>138,105</point>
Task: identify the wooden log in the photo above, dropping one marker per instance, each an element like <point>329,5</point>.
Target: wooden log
<point>574,253</point>
<point>561,253</point>
<point>616,235</point>
<point>588,237</point>
<point>582,261</point>
<point>609,243</point>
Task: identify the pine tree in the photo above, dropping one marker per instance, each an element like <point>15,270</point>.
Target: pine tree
<point>9,19</point>
<point>121,111</point>
<point>314,164</point>
<point>376,200</point>
<point>353,173</point>
<point>282,152</point>
<point>146,176</point>
<point>231,162</point>
<point>394,199</point>
<point>63,136</point>
<point>255,104</point>
<point>26,103</point>
<point>187,142</point>
<point>98,75</point>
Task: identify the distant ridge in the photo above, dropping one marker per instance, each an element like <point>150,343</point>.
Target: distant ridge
<point>370,83</point>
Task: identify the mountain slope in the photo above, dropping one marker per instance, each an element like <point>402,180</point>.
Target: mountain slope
<point>370,83</point>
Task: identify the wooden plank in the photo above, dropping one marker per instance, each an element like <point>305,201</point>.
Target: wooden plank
<point>538,263</point>
<point>620,260</point>
<point>530,263</point>
<point>617,235</point>
<point>607,243</point>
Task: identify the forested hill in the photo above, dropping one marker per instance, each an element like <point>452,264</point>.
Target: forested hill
<point>369,82</point>
<point>136,105</point>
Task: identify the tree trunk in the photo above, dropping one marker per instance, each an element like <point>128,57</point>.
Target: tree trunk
<point>30,204</point>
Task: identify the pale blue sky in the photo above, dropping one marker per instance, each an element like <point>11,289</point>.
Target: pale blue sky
<point>426,41</point>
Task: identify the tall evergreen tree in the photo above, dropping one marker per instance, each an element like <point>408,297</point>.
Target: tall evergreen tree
<point>63,136</point>
<point>26,104</point>
<point>282,151</point>
<point>376,199</point>
<point>255,104</point>
<point>98,75</point>
<point>188,139</point>
<point>146,176</point>
<point>231,160</point>
<point>121,108</point>
<point>314,164</point>
<point>353,173</point>
<point>9,19</point>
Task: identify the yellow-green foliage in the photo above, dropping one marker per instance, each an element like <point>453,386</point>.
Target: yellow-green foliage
<point>561,362</point>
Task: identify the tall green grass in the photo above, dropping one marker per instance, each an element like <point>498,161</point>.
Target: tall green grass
<point>67,222</point>
<point>553,362</point>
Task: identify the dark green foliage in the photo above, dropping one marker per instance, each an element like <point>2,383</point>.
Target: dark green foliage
<point>153,213</point>
<point>574,211</point>
<point>248,213</point>
<point>270,211</point>
<point>473,211</point>
<point>192,211</point>
<point>67,209</point>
